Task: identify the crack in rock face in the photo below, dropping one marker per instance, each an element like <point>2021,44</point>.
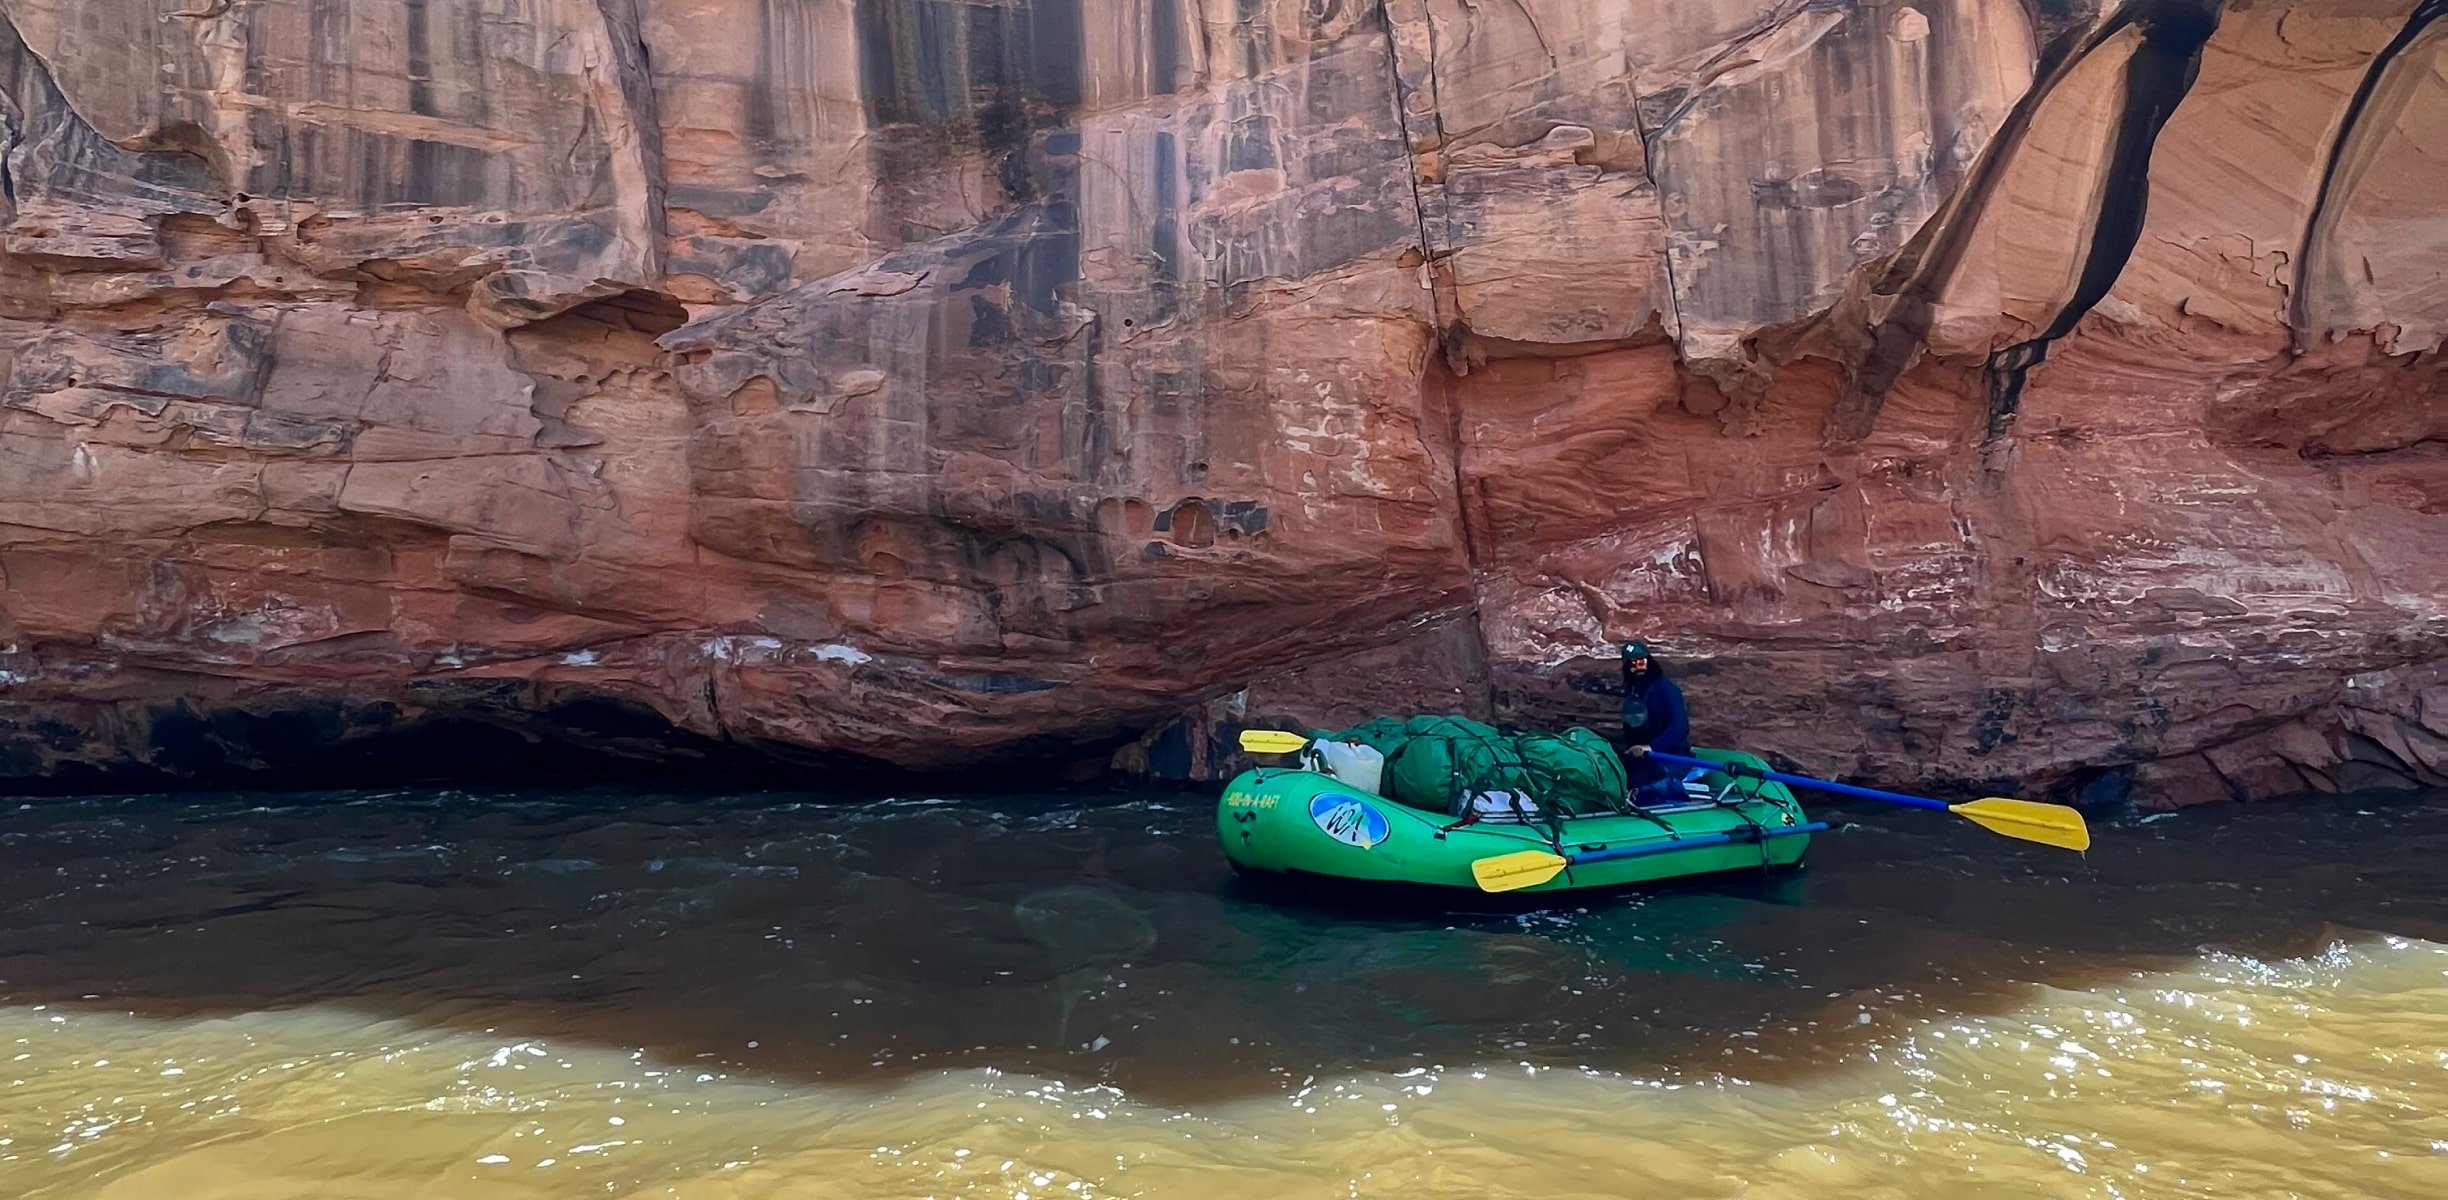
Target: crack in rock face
<point>1961,393</point>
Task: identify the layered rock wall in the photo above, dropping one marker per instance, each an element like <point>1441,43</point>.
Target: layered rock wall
<point>1960,390</point>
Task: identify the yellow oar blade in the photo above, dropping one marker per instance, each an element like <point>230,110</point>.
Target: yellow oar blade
<point>2048,824</point>
<point>1271,741</point>
<point>1513,872</point>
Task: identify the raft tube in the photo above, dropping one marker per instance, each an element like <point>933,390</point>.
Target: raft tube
<point>1280,821</point>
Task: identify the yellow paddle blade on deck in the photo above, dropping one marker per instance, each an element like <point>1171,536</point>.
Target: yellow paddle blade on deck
<point>1271,741</point>
<point>2030,820</point>
<point>1513,872</point>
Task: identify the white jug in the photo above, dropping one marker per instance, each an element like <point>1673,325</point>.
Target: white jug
<point>1360,767</point>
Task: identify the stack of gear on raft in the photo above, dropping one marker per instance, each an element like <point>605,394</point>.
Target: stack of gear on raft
<point>1475,772</point>
<point>1460,767</point>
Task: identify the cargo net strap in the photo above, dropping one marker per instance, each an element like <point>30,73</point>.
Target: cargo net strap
<point>1506,771</point>
<point>1733,798</point>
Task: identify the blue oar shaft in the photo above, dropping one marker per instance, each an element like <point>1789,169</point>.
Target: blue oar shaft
<point>1841,789</point>
<point>1587,857</point>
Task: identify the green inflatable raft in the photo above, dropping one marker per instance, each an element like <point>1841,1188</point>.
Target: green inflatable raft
<point>1306,823</point>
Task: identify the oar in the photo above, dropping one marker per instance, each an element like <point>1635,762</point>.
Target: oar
<point>2048,824</point>
<point>1272,741</point>
<point>1530,868</point>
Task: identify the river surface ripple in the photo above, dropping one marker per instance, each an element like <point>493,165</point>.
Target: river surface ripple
<point>452,993</point>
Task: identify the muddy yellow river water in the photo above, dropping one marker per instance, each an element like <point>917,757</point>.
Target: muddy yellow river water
<point>453,995</point>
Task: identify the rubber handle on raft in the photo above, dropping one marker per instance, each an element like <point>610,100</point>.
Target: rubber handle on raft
<point>1694,843</point>
<point>1841,789</point>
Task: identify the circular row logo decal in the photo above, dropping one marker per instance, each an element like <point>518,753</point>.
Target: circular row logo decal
<point>1348,819</point>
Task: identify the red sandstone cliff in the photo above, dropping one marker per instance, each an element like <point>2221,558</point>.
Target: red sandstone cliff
<point>1959,389</point>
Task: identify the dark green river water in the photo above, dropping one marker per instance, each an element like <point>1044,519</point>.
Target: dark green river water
<point>207,989</point>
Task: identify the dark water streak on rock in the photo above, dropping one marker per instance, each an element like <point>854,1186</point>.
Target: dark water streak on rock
<point>2350,156</point>
<point>2157,78</point>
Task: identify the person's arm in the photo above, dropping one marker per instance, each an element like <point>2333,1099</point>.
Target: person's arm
<point>1674,724</point>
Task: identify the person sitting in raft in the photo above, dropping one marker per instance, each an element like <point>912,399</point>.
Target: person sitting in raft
<point>1653,717</point>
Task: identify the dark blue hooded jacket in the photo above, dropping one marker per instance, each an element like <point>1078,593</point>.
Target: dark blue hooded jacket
<point>1653,713</point>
